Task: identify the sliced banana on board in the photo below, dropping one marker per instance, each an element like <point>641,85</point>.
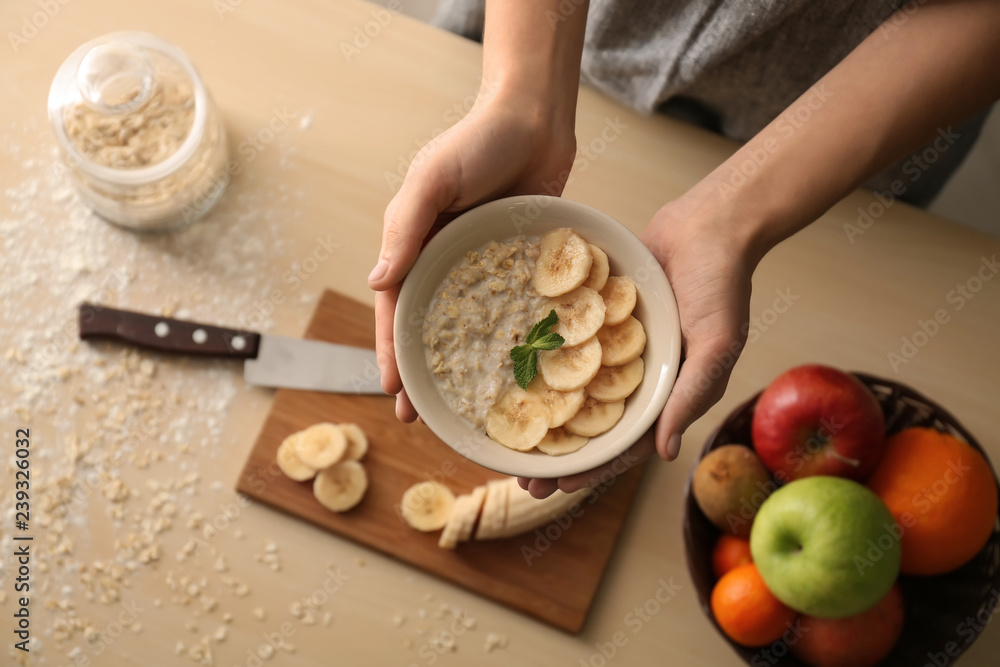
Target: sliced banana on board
<point>462,520</point>
<point>621,343</point>
<point>563,263</point>
<point>518,420</point>
<point>562,404</point>
<point>615,383</point>
<point>342,486</point>
<point>292,465</point>
<point>581,314</point>
<point>559,441</point>
<point>494,514</point>
<point>568,368</point>
<point>357,442</point>
<point>426,506</point>
<point>599,270</point>
<point>595,417</point>
<point>619,296</point>
<point>321,445</point>
<point>525,513</point>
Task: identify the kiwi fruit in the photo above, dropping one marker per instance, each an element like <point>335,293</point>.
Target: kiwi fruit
<point>729,485</point>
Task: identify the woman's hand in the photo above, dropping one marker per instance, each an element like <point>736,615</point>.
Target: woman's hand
<point>508,144</point>
<point>709,268</point>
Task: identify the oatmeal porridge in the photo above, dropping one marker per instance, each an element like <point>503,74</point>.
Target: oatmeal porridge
<point>485,306</point>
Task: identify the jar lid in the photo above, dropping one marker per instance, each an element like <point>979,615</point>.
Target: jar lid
<point>128,107</point>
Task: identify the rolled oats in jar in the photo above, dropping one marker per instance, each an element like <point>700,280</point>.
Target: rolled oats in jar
<point>143,141</point>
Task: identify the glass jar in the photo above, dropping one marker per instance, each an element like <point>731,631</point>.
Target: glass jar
<point>138,132</point>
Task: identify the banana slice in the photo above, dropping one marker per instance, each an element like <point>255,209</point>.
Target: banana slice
<point>581,314</point>
<point>563,263</point>
<point>426,506</point>
<point>518,420</point>
<point>342,486</point>
<point>321,445</point>
<point>559,441</point>
<point>462,519</point>
<point>562,404</point>
<point>621,343</point>
<point>525,513</point>
<point>357,442</point>
<point>494,514</point>
<point>595,417</point>
<point>615,383</point>
<point>570,368</point>
<point>599,270</point>
<point>292,465</point>
<point>619,299</point>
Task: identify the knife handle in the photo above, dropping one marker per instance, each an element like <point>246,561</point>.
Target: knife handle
<point>166,334</point>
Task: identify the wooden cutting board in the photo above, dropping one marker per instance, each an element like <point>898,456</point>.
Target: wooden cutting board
<point>551,575</point>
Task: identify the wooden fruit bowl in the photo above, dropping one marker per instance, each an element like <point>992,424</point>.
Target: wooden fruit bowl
<point>937,608</point>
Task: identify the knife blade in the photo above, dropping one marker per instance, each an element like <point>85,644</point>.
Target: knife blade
<point>269,361</point>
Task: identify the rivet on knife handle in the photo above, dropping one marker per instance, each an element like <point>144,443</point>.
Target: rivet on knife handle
<point>166,334</point>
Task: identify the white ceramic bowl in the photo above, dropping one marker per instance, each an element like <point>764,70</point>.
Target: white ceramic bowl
<point>533,216</point>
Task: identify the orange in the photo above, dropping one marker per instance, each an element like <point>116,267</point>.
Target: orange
<point>943,495</point>
<point>730,552</point>
<point>747,611</point>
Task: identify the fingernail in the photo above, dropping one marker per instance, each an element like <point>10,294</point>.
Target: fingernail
<point>674,446</point>
<point>379,271</point>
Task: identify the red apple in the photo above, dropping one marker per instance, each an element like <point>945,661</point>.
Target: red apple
<point>862,640</point>
<point>817,420</point>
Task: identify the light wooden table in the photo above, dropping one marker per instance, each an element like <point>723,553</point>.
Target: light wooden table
<point>305,214</point>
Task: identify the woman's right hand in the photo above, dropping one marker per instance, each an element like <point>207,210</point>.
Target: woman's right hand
<point>510,143</point>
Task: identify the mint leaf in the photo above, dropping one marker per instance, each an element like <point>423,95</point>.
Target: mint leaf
<point>520,353</point>
<point>526,357</point>
<point>525,369</point>
<point>549,341</point>
<point>542,328</point>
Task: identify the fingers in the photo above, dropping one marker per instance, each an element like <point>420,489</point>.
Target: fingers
<point>385,351</point>
<point>542,488</point>
<point>635,455</point>
<point>405,412</point>
<point>700,384</point>
<point>407,221</point>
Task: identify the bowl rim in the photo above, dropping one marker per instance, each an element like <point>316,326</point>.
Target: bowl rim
<point>522,466</point>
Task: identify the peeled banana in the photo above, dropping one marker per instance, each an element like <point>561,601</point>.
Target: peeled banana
<point>571,367</point>
<point>619,296</point>
<point>599,270</point>
<point>320,445</point>
<point>293,466</point>
<point>518,420</point>
<point>595,417</point>
<point>581,313</point>
<point>621,343</point>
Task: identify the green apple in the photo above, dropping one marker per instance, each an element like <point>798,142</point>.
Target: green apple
<point>826,546</point>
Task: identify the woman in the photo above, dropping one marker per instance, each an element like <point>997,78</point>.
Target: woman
<point>828,96</point>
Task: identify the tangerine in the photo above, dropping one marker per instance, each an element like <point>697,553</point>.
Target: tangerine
<point>729,553</point>
<point>943,495</point>
<point>747,611</point>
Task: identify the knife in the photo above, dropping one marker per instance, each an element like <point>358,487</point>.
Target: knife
<point>270,361</point>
